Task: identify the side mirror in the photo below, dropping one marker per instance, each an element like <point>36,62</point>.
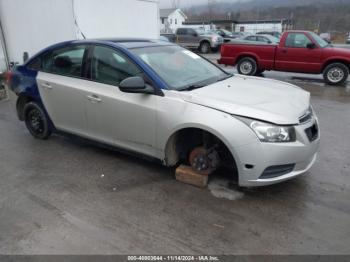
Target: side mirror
<point>135,84</point>
<point>311,46</point>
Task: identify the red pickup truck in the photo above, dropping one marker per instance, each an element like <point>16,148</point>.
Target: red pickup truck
<point>298,51</point>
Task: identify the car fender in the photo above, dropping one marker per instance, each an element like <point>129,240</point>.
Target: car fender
<point>246,54</point>
<point>183,115</point>
<point>336,59</point>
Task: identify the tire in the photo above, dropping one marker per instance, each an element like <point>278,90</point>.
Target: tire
<point>204,48</point>
<point>247,66</point>
<point>336,74</point>
<point>215,49</point>
<point>259,72</point>
<point>36,121</point>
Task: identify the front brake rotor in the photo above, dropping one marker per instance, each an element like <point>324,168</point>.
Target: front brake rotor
<point>204,161</point>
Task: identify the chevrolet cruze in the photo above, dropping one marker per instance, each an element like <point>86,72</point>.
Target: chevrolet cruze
<point>159,100</point>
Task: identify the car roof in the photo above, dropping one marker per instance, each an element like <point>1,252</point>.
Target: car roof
<point>265,35</point>
<point>128,43</point>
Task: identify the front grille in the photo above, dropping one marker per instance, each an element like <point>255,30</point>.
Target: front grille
<point>312,132</point>
<point>276,171</point>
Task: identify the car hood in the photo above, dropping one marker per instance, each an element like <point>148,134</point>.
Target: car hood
<point>264,99</point>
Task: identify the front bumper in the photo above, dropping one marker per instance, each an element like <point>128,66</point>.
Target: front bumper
<point>216,45</point>
<point>255,158</point>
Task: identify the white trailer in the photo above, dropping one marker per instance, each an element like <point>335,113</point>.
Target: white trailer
<point>31,25</point>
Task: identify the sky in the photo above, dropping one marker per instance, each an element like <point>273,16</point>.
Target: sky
<point>185,3</point>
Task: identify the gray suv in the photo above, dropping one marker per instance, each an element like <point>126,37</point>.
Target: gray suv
<point>195,38</point>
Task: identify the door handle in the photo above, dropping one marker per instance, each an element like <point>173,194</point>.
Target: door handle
<point>94,98</point>
<point>284,51</point>
<point>46,86</point>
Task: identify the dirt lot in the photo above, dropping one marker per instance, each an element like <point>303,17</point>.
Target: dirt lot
<point>65,196</point>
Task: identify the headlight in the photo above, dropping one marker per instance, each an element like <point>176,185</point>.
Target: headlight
<point>215,39</point>
<point>271,133</point>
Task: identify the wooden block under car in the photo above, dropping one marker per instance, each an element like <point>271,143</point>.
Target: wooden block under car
<point>187,175</point>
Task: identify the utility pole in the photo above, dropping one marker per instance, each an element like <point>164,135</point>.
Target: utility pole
<point>211,4</point>
<point>4,47</point>
<point>175,3</point>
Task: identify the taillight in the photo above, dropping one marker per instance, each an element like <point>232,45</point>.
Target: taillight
<point>8,76</point>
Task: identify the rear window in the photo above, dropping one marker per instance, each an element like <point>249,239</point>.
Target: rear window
<point>66,61</point>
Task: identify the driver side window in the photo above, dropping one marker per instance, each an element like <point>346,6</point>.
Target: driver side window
<point>111,67</point>
<point>191,32</point>
<point>66,61</point>
<point>297,40</point>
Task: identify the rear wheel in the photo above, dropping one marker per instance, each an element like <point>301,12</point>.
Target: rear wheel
<point>336,74</point>
<point>204,48</point>
<point>36,121</point>
<point>247,66</point>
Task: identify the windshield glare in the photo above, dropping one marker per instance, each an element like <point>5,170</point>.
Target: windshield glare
<point>322,43</point>
<point>179,67</point>
<point>200,31</point>
<point>273,39</point>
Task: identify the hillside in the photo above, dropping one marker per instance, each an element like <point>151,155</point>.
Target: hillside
<point>325,15</point>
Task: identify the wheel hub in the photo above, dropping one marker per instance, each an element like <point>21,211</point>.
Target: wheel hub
<point>36,122</point>
<point>204,161</point>
<point>335,75</point>
<point>246,68</point>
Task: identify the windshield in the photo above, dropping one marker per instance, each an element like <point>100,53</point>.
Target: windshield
<point>200,31</point>
<point>179,67</point>
<point>322,43</point>
<point>226,31</point>
<point>273,39</point>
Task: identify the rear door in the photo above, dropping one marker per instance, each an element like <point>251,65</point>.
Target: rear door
<point>296,57</point>
<point>114,117</point>
<point>62,87</point>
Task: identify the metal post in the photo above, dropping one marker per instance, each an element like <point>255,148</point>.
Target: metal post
<point>3,45</point>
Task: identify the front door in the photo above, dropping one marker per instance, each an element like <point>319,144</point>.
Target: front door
<point>192,37</point>
<point>114,117</point>
<point>295,56</point>
<point>62,88</point>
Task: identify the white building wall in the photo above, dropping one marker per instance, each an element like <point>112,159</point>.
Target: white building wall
<point>255,28</point>
<point>173,22</point>
<point>31,25</point>
<point>121,18</point>
<point>2,60</point>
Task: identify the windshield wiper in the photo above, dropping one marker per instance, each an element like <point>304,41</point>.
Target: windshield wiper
<point>225,77</point>
<point>191,87</point>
